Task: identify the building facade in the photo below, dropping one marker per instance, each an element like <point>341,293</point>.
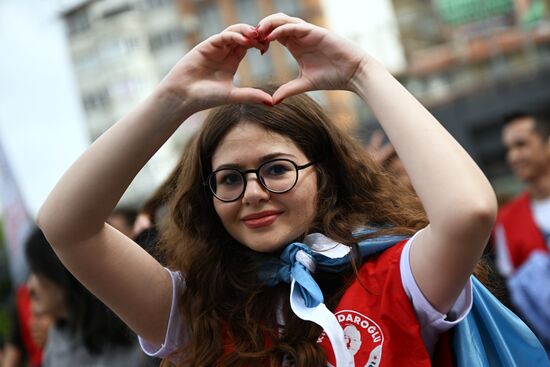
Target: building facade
<point>121,49</point>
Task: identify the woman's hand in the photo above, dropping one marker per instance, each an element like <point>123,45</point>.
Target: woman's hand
<point>326,61</point>
<point>203,78</point>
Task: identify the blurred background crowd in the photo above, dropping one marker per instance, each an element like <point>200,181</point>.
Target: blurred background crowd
<point>70,69</point>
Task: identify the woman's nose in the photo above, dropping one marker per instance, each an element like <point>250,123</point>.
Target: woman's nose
<point>254,191</point>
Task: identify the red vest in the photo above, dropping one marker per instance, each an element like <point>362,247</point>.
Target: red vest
<point>379,321</point>
<point>522,233</point>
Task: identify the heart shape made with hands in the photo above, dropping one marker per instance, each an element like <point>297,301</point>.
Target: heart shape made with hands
<point>325,61</point>
<point>261,43</point>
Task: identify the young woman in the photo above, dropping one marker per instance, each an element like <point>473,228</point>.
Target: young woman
<point>84,332</point>
<point>269,191</point>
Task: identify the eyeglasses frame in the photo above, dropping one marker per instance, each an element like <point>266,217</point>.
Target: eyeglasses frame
<point>256,171</point>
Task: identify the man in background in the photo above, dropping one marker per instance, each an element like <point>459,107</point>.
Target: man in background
<point>522,231</point>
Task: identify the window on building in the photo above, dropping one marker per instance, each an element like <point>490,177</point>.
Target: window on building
<point>78,21</point>
<point>130,44</point>
<point>86,60</point>
<point>98,100</point>
<point>166,39</point>
<point>113,49</point>
<point>210,19</point>
<point>114,12</point>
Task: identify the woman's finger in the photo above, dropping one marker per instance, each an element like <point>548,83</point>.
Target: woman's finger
<point>295,30</point>
<point>262,46</point>
<point>273,21</point>
<point>245,29</point>
<point>244,95</point>
<point>251,34</point>
<point>291,88</point>
<point>228,38</point>
<point>239,52</point>
<point>248,31</point>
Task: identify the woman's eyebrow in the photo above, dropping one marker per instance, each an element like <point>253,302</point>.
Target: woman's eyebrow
<point>228,165</point>
<point>260,160</point>
<point>270,156</point>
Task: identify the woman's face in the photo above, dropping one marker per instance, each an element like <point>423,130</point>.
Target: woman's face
<point>46,297</point>
<point>261,220</point>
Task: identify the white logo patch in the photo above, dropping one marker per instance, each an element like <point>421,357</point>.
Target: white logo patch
<point>364,339</point>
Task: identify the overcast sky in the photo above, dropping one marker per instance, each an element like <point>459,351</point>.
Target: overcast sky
<point>41,121</point>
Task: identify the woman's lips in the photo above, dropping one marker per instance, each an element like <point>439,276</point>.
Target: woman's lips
<point>260,220</point>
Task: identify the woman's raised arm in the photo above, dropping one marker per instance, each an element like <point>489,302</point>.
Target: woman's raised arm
<point>458,199</point>
<point>73,216</point>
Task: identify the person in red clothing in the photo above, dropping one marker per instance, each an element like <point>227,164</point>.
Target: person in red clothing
<point>522,231</point>
<point>523,224</point>
<point>277,221</point>
<point>28,333</point>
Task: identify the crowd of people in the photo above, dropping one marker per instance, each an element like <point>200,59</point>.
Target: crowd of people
<point>279,239</point>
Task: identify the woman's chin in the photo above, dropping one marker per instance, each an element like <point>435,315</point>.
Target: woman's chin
<point>270,245</point>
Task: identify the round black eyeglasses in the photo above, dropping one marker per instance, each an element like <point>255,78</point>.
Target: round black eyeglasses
<point>277,176</point>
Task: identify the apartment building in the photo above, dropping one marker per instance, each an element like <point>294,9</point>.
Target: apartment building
<point>120,50</point>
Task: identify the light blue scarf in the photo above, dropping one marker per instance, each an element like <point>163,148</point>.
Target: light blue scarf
<point>489,336</point>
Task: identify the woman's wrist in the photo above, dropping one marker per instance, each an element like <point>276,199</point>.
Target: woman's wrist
<point>365,76</point>
<point>173,107</point>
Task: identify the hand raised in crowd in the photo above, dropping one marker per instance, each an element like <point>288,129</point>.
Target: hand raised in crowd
<point>380,151</point>
<point>325,60</point>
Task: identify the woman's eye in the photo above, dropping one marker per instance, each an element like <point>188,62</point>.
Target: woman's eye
<point>230,179</point>
<point>277,169</point>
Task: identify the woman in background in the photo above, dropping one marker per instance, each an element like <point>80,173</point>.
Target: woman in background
<point>84,332</point>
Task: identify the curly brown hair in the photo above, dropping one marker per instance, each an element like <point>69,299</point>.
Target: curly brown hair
<point>231,317</point>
